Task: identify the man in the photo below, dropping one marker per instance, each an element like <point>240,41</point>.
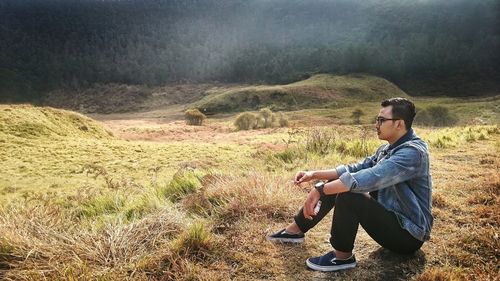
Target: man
<point>397,211</point>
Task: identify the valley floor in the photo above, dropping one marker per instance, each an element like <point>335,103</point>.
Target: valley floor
<point>164,201</point>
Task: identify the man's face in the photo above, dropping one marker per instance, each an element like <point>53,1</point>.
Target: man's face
<point>386,129</point>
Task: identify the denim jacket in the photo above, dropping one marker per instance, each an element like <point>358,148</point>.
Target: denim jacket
<point>400,174</point>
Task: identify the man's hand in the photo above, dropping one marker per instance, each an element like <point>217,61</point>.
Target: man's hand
<point>303,176</point>
<point>310,204</point>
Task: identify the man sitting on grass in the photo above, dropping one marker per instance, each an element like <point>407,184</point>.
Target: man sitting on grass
<point>388,193</point>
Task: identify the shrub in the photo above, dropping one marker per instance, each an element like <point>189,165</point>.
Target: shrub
<point>319,142</point>
<point>267,117</point>
<point>438,116</point>
<point>356,116</point>
<point>194,117</point>
<point>282,119</point>
<point>287,156</point>
<point>246,121</point>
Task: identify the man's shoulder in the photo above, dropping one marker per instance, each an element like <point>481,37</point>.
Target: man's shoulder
<point>416,143</point>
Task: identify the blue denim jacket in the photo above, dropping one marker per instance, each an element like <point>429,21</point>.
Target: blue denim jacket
<point>400,173</point>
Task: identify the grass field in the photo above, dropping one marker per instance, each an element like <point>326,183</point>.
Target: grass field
<point>145,198</point>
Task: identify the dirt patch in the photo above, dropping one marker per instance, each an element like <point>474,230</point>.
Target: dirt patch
<point>177,130</point>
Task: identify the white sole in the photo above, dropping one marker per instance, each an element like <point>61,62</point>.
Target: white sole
<point>329,268</point>
<point>286,240</point>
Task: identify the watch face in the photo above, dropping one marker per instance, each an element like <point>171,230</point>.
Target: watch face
<point>319,184</point>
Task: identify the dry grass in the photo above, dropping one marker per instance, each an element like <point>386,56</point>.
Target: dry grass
<point>210,223</point>
<point>41,243</point>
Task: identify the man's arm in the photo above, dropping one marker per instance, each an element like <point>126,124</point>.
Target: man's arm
<point>326,174</point>
<point>399,167</point>
<point>313,197</point>
<point>368,162</point>
<point>333,174</point>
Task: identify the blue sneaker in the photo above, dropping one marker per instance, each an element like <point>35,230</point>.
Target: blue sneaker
<point>329,262</point>
<point>285,237</point>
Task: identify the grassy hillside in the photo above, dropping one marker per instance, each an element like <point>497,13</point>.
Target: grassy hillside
<point>196,203</point>
<point>120,98</point>
<point>321,90</point>
<point>27,121</point>
<point>45,150</point>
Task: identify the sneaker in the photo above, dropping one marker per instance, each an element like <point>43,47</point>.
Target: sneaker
<point>329,262</point>
<point>285,237</point>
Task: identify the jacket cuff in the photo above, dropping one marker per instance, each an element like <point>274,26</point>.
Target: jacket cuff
<point>349,181</point>
<point>341,170</point>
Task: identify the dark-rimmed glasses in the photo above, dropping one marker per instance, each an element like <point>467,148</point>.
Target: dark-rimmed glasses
<point>379,120</point>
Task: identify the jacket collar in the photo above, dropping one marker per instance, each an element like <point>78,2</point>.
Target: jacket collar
<point>406,137</point>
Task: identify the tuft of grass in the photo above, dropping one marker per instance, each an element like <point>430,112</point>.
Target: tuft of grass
<point>182,183</point>
<point>287,156</point>
<point>141,206</point>
<point>101,205</point>
<point>194,242</point>
<point>438,200</point>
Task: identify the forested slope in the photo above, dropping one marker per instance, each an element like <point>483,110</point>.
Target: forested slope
<point>425,47</point>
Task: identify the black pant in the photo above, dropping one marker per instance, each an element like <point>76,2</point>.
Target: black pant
<point>353,209</point>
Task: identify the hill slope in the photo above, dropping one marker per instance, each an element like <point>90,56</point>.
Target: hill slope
<point>322,90</point>
<point>27,121</point>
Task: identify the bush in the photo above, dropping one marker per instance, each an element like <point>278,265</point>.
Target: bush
<point>320,142</point>
<point>265,119</point>
<point>356,116</point>
<point>282,120</point>
<point>437,116</point>
<point>286,156</point>
<point>246,121</point>
<point>194,117</point>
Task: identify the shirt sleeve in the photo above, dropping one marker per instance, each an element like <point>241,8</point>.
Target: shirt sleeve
<point>403,165</point>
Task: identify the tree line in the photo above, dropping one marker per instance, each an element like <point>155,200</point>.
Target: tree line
<point>74,43</point>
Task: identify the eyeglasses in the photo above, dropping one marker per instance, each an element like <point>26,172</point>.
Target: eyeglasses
<point>379,120</point>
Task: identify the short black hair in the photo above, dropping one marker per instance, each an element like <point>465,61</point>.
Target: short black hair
<point>402,108</point>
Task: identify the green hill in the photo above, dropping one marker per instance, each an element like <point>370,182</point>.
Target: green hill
<point>28,121</point>
<point>322,90</point>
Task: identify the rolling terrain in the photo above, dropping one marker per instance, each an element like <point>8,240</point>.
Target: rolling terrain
<point>141,195</point>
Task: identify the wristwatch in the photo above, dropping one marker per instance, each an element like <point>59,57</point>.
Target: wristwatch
<point>319,187</point>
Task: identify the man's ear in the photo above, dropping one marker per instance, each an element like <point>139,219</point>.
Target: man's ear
<point>401,124</point>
